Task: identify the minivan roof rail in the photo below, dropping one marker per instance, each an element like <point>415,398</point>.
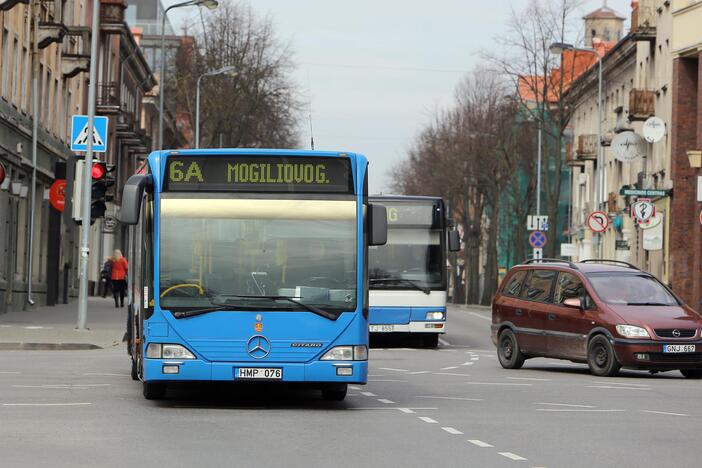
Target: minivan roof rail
<point>549,260</point>
<point>604,260</point>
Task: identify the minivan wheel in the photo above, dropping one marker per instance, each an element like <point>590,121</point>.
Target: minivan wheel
<point>692,373</point>
<point>601,358</point>
<point>508,351</point>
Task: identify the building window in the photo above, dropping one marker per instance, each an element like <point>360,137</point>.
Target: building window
<point>5,59</point>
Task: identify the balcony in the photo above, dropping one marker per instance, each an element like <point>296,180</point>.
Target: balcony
<point>112,16</point>
<point>108,98</point>
<point>642,104</point>
<point>643,21</point>
<point>587,147</point>
<point>8,4</point>
<point>50,32</point>
<point>76,52</point>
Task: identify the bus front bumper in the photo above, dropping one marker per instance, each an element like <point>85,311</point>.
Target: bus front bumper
<point>411,327</point>
<point>160,370</point>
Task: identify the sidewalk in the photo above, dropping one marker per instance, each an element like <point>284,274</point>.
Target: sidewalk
<point>53,328</point>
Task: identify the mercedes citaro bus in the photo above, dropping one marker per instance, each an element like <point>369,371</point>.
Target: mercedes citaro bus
<point>408,277</point>
<point>250,265</point>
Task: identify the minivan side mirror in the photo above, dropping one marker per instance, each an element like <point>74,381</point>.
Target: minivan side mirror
<point>574,302</point>
<point>377,219</point>
<point>131,197</point>
<point>454,241</point>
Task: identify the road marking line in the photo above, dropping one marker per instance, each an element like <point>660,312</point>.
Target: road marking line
<point>391,408</point>
<point>479,443</point>
<point>450,398</point>
<point>376,375</point>
<point>664,412</point>
<point>512,456</point>
<point>428,420</point>
<point>500,383</point>
<point>394,370</point>
<point>577,410</point>
<point>406,410</point>
<point>566,404</point>
<point>474,358</point>
<point>33,327</point>
<point>452,430</point>
<point>449,368</point>
<point>353,387</point>
<point>475,314</point>
<point>367,393</point>
<point>418,372</point>
<point>469,363</point>
<point>453,373</point>
<point>5,326</point>
<point>107,374</point>
<point>617,388</point>
<point>46,404</point>
<point>444,342</point>
<point>623,384</point>
<point>386,401</point>
<point>529,378</point>
<point>8,372</point>
<point>386,380</point>
<point>62,385</point>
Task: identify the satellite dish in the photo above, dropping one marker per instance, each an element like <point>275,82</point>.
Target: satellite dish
<point>628,146</point>
<point>654,129</point>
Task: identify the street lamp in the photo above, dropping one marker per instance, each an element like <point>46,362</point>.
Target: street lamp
<point>210,4</point>
<point>229,70</point>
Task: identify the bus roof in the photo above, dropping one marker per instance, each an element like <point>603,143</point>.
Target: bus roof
<point>259,151</point>
<point>405,198</point>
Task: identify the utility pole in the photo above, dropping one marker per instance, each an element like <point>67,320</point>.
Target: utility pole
<point>35,136</point>
<point>87,175</point>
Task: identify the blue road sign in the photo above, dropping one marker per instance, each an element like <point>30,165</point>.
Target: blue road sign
<point>537,239</point>
<point>80,133</point>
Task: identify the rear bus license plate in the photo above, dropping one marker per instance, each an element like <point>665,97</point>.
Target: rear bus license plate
<point>381,328</point>
<point>264,373</point>
<point>679,348</point>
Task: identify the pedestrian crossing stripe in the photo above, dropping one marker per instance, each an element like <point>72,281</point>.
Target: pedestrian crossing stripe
<point>82,138</point>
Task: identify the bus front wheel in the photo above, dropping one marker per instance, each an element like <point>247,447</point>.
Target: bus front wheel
<point>154,391</point>
<point>334,393</point>
<point>431,340</point>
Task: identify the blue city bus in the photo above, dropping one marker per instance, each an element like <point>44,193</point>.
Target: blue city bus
<point>408,275</point>
<point>250,265</point>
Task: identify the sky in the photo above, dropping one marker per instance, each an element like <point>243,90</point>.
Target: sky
<point>373,72</point>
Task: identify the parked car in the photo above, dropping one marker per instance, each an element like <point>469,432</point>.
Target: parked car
<point>605,313</point>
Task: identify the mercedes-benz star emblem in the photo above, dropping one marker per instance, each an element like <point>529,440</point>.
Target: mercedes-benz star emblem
<point>258,347</point>
<point>676,333</point>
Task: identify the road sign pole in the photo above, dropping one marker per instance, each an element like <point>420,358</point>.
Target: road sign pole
<point>87,175</point>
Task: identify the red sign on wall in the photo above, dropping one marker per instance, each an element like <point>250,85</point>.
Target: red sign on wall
<point>56,194</point>
<point>2,173</point>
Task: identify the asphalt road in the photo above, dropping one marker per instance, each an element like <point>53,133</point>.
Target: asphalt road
<point>454,406</point>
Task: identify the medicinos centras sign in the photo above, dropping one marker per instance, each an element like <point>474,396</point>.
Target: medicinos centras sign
<point>258,174</point>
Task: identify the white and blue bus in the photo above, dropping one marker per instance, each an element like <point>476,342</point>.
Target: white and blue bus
<point>250,265</point>
<point>408,275</point>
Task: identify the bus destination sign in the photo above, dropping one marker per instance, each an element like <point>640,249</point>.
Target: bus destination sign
<point>410,214</point>
<point>258,174</point>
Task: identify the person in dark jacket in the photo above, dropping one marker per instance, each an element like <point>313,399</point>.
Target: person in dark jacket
<point>106,276</point>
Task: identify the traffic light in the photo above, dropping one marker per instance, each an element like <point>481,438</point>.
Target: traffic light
<point>109,182</point>
<point>98,191</point>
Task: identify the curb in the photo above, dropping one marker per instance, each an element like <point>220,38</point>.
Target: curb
<point>22,346</point>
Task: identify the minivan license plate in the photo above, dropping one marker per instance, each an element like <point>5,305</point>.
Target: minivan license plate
<point>265,373</point>
<point>678,348</point>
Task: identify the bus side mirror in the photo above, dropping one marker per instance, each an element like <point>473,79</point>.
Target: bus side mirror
<point>377,219</point>
<point>454,241</point>
<point>131,197</point>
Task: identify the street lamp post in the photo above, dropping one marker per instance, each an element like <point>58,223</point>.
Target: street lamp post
<point>557,48</point>
<point>211,4</point>
<point>228,70</point>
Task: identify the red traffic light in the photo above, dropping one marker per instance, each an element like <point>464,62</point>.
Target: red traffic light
<point>98,171</point>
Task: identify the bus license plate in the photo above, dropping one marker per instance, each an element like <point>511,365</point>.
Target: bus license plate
<point>678,348</point>
<point>265,373</point>
<point>381,328</point>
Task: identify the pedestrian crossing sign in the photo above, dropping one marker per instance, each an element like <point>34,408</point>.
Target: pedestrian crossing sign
<point>79,133</point>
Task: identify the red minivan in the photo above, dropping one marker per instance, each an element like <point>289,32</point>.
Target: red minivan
<point>605,313</point>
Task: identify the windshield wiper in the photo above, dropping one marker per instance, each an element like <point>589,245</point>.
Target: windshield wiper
<point>648,304</point>
<point>311,308</point>
<point>425,290</point>
<point>193,312</point>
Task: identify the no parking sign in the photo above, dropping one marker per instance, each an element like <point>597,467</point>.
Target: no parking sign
<point>537,239</point>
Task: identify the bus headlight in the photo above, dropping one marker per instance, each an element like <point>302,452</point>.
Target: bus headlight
<point>168,351</point>
<point>435,315</point>
<point>346,353</point>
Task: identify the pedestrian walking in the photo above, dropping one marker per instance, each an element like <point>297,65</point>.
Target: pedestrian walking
<point>119,277</point>
<point>106,276</point>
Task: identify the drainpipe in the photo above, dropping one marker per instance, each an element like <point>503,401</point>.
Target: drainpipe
<point>35,135</point>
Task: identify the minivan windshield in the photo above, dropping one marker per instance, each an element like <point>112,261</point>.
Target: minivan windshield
<point>631,289</point>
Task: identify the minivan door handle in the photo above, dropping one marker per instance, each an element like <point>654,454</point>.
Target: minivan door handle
<point>519,312</point>
<point>552,316</point>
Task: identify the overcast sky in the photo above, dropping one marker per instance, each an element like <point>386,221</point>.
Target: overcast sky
<point>376,70</point>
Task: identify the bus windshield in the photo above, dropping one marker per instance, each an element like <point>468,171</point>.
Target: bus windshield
<point>244,252</point>
<point>412,256</point>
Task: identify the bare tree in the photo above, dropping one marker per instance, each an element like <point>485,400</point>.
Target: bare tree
<point>259,105</point>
